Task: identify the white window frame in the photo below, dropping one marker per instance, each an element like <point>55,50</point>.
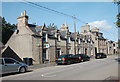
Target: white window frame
<point>46,37</point>
<point>69,40</point>
<point>58,37</point>
<point>79,41</point>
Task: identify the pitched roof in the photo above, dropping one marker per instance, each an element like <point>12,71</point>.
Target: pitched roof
<point>101,38</point>
<point>63,35</point>
<point>51,33</point>
<point>35,29</point>
<point>73,35</point>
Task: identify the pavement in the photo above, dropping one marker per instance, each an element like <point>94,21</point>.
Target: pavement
<point>38,66</point>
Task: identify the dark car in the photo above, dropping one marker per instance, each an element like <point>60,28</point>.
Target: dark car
<point>82,57</point>
<point>66,59</point>
<point>100,55</point>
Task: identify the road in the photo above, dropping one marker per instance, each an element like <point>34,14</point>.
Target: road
<point>95,69</point>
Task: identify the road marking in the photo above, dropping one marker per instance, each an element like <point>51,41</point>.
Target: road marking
<point>48,76</point>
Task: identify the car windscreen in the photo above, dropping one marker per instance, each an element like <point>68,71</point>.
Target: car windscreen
<point>67,55</point>
<point>99,54</point>
<point>79,54</point>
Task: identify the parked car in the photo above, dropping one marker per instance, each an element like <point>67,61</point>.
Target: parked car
<point>82,57</point>
<point>10,65</point>
<point>100,55</point>
<point>66,59</point>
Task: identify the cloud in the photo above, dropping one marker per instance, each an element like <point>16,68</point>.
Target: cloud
<point>103,24</point>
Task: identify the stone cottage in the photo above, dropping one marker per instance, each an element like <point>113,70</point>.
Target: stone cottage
<point>25,42</point>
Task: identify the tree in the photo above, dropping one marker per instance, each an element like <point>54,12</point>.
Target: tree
<point>119,44</point>
<point>52,26</point>
<point>118,21</point>
<point>117,2</point>
<point>7,30</point>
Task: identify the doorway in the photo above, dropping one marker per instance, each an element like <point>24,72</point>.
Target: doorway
<point>58,52</point>
<point>85,51</point>
<point>95,50</point>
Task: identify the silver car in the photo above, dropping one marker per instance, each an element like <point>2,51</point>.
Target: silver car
<point>10,65</point>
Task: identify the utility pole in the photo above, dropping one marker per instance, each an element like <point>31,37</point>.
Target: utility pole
<point>75,34</point>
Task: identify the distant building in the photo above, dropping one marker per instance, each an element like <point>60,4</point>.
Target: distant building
<point>88,42</point>
<point>98,42</point>
<point>112,47</point>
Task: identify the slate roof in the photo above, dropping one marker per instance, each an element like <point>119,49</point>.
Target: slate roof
<point>35,29</point>
<point>51,33</point>
<point>101,38</point>
<point>72,36</point>
<point>63,34</point>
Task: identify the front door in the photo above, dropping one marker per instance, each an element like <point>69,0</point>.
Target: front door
<point>95,50</point>
<point>44,55</point>
<point>58,53</point>
<point>85,51</point>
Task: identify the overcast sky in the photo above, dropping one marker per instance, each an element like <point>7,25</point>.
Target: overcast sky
<point>97,14</point>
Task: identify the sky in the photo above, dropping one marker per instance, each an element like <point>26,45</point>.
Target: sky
<point>97,14</point>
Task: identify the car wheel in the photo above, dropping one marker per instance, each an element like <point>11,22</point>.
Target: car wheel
<point>68,62</point>
<point>88,59</point>
<point>58,64</point>
<point>82,60</point>
<point>98,57</point>
<point>79,61</point>
<point>22,70</point>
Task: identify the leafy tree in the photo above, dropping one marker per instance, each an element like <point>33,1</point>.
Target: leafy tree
<point>7,30</point>
<point>52,26</point>
<point>119,44</point>
<point>118,21</point>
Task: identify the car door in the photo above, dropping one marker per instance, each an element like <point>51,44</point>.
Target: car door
<point>76,58</point>
<point>10,66</point>
<point>70,58</point>
<point>86,57</point>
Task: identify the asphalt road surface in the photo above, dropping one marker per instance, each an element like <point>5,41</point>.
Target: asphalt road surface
<point>95,69</point>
